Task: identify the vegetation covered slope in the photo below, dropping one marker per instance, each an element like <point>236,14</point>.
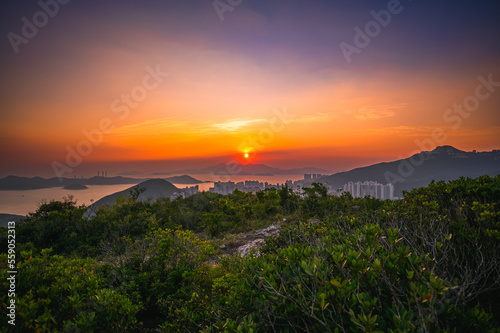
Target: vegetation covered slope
<point>427,263</point>
<point>443,163</point>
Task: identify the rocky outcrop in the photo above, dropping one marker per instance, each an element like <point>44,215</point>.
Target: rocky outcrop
<point>257,238</point>
<point>245,249</point>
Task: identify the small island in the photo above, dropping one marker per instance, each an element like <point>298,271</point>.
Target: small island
<point>75,187</point>
<point>184,180</point>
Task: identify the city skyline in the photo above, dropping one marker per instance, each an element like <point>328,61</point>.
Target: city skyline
<point>156,86</point>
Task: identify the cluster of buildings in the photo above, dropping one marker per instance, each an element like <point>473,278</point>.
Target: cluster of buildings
<point>357,189</point>
<point>312,176</point>
<point>189,191</point>
<point>185,192</point>
<point>248,186</point>
<point>253,186</point>
<point>369,188</point>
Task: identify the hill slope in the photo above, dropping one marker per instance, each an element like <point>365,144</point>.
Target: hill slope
<point>184,179</point>
<point>154,190</point>
<point>442,163</point>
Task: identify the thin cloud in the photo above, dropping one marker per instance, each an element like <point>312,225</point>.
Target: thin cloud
<point>151,127</point>
<point>234,125</point>
<point>401,130</point>
<point>167,126</point>
<point>321,117</point>
<point>419,131</point>
<point>378,112</point>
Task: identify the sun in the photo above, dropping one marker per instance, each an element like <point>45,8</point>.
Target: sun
<point>246,156</point>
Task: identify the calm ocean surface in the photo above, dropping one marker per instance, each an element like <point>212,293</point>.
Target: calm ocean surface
<point>24,202</point>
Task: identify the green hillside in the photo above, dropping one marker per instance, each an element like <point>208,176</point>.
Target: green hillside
<point>429,262</point>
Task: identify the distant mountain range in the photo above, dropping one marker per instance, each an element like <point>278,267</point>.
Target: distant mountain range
<point>249,170</point>
<point>24,183</point>
<point>443,163</point>
<point>184,180</point>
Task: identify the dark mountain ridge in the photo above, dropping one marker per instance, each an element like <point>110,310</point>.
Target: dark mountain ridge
<point>442,163</point>
<point>153,189</point>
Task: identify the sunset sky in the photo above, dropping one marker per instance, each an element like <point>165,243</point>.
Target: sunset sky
<point>271,79</point>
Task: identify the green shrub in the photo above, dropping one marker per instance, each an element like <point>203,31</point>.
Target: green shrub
<point>63,295</point>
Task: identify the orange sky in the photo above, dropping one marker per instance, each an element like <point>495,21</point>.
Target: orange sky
<point>223,95</point>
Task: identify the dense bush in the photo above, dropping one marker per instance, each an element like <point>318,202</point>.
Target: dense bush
<point>168,273</point>
<point>429,262</point>
<point>64,295</point>
<point>343,275</point>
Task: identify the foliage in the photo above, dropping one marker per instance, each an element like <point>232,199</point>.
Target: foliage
<point>168,273</point>
<point>58,294</point>
<point>339,276</point>
<point>427,262</point>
